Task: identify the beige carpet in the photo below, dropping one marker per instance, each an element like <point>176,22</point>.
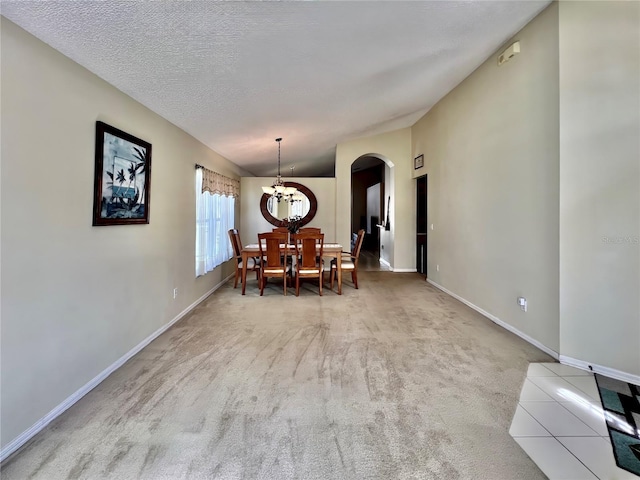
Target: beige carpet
<point>395,380</point>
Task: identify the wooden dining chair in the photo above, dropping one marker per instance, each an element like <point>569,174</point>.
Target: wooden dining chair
<point>349,262</point>
<point>253,263</point>
<point>273,252</point>
<point>310,230</point>
<point>308,264</point>
<point>284,230</point>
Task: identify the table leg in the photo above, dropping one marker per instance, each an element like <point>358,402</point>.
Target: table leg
<point>245,259</point>
<point>339,272</point>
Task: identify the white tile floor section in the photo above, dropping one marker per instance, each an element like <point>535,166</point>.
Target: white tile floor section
<point>559,422</point>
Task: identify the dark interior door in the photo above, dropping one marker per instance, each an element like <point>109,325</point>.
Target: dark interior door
<point>421,225</point>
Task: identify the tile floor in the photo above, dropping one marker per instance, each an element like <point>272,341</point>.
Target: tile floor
<point>559,423</point>
<point>370,261</point>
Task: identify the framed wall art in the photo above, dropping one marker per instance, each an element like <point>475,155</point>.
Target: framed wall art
<point>122,180</point>
<point>418,162</point>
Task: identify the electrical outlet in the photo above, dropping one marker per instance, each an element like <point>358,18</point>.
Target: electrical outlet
<point>175,293</point>
<point>437,268</point>
<point>523,303</point>
<point>432,226</point>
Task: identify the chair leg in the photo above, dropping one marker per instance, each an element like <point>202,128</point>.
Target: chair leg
<point>235,280</point>
<point>320,282</point>
<point>284,284</point>
<point>354,277</point>
<point>261,281</point>
<point>332,277</point>
<point>297,285</point>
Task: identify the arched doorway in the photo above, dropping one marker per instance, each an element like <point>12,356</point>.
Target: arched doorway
<point>368,206</point>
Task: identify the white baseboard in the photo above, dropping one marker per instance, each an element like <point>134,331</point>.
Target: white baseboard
<point>606,371</point>
<point>503,324</point>
<point>386,264</point>
<point>25,436</point>
<point>572,362</point>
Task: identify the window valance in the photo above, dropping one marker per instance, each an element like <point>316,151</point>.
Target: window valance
<point>214,182</point>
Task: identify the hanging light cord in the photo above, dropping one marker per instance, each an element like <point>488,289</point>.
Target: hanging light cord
<point>278,190</point>
<point>279,180</point>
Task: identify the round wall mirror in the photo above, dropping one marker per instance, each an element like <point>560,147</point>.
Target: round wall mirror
<point>304,205</point>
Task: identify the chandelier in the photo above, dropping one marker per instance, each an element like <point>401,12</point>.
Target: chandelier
<point>278,190</point>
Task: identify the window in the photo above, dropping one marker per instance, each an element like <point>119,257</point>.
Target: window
<point>300,206</point>
<point>215,215</point>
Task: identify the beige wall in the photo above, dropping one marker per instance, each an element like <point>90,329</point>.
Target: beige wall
<point>76,298</point>
<point>253,222</point>
<point>600,183</point>
<point>395,149</point>
<point>387,236</point>
<point>491,153</point>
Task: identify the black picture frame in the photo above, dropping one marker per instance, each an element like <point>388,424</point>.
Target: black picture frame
<point>418,162</point>
<point>122,181</point>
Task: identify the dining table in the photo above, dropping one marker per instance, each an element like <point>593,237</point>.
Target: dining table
<point>333,250</point>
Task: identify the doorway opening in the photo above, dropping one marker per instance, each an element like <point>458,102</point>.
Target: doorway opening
<point>421,225</point>
<point>367,206</point>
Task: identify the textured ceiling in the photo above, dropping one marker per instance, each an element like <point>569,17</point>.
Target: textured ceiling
<point>236,75</point>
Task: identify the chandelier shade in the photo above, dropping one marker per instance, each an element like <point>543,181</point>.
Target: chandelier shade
<point>278,190</point>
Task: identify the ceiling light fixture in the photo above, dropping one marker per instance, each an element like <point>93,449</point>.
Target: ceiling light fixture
<point>278,190</point>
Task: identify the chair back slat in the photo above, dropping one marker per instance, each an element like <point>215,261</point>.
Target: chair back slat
<point>309,249</point>
<point>236,243</point>
<point>272,247</point>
